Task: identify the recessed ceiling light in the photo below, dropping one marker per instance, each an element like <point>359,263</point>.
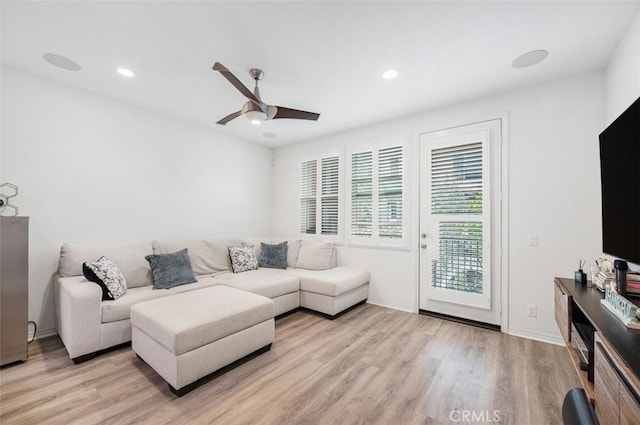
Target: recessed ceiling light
<point>126,72</point>
<point>255,122</point>
<point>61,62</point>
<point>530,58</point>
<point>269,135</point>
<point>390,74</point>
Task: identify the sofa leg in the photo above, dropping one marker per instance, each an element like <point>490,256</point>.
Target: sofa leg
<point>84,358</point>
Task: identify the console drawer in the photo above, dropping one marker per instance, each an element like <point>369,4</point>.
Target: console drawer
<point>563,310</point>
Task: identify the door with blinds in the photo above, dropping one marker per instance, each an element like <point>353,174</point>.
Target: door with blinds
<point>460,222</point>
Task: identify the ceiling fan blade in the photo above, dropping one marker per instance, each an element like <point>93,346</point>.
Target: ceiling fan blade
<point>229,117</point>
<point>235,82</point>
<point>282,112</point>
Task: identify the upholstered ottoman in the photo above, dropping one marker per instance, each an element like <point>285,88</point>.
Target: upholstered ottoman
<point>187,336</point>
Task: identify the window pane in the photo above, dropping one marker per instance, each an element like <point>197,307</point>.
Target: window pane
<point>329,196</point>
<point>456,180</point>
<point>308,190</point>
<point>361,193</point>
<point>390,192</point>
<point>459,263</point>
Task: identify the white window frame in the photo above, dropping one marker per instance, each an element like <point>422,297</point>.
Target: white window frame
<point>374,241</point>
<point>318,234</point>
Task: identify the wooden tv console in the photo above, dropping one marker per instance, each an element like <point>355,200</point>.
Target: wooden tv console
<point>614,351</point>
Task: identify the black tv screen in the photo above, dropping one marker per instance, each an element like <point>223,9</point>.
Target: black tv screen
<point>620,177</point>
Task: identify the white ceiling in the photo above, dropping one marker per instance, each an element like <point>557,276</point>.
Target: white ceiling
<point>317,56</point>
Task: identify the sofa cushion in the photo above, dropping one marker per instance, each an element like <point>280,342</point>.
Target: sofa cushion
<point>243,258</point>
<point>268,283</point>
<point>115,310</point>
<point>316,255</point>
<point>108,276</point>
<point>332,282</point>
<point>256,243</point>
<point>112,311</point>
<point>207,256</point>
<point>193,319</point>
<point>129,259</point>
<point>273,256</point>
<point>293,249</point>
<point>171,270</point>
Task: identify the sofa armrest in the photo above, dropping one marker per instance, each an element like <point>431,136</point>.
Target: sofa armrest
<point>79,314</point>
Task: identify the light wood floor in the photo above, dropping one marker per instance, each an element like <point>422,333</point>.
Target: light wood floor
<point>373,365</point>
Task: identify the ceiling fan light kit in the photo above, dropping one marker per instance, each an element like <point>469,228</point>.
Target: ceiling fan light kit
<point>255,109</point>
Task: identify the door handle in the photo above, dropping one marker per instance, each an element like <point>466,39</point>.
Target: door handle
<point>423,246</point>
<point>423,236</point>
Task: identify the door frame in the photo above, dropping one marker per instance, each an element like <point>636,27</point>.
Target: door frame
<point>504,213</point>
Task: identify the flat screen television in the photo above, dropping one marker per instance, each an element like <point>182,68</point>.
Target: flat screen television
<point>620,177</point>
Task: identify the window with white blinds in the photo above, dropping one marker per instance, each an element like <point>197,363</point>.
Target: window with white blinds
<point>390,174</point>
<point>329,196</point>
<point>377,196</point>
<point>456,204</point>
<point>308,197</point>
<point>362,194</point>
<point>320,185</point>
<point>456,180</point>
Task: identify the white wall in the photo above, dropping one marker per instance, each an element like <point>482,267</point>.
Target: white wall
<point>623,73</point>
<point>554,191</point>
<point>97,172</point>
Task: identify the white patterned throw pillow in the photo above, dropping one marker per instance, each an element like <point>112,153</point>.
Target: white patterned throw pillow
<point>106,274</point>
<point>243,258</point>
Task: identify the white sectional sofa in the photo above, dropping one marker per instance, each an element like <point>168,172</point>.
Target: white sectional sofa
<point>87,324</point>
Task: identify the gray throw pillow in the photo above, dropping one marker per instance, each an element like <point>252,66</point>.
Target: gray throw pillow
<point>273,256</point>
<point>171,270</point>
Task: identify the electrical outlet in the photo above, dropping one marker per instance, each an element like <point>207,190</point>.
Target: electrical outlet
<point>532,310</point>
<point>533,239</point>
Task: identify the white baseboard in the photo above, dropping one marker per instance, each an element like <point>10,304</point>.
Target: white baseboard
<point>391,307</point>
<point>536,336</point>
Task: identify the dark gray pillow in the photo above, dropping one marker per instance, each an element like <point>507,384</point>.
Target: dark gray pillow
<point>171,270</point>
<point>273,256</point>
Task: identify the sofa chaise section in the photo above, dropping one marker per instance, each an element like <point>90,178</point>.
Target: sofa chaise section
<point>332,291</point>
<point>283,289</point>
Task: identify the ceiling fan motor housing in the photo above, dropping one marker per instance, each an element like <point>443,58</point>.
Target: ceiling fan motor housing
<point>254,112</point>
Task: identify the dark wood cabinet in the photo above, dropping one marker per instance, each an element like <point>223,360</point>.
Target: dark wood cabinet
<point>563,311</point>
<point>629,408</point>
<point>615,388</point>
<point>607,389</point>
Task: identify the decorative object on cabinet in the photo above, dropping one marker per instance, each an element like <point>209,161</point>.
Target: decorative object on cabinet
<point>8,191</point>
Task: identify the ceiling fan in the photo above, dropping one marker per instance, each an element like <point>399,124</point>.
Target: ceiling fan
<point>255,109</point>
